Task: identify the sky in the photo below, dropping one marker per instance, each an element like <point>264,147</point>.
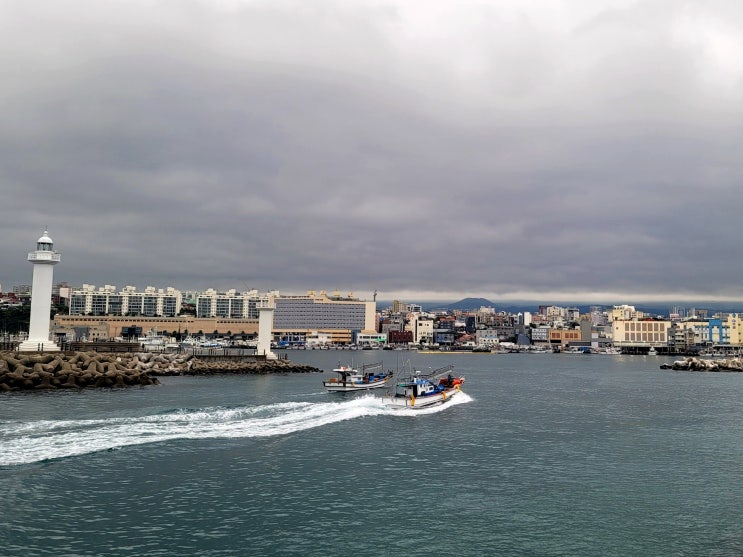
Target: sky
<point>428,150</point>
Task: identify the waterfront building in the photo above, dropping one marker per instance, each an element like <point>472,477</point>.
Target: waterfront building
<point>105,327</point>
<point>734,323</point>
<point>392,323</point>
<point>106,300</point>
<point>233,304</point>
<point>646,333</point>
<point>563,337</point>
<point>43,260</point>
<point>343,317</point>
<point>422,329</point>
<point>317,338</point>
<point>371,338</point>
<point>680,339</point>
<point>444,336</point>
<point>487,337</point>
<point>400,337</point>
<point>709,332</point>
<point>539,335</point>
<point>506,331</point>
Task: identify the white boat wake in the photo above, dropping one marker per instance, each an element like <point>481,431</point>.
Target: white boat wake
<point>29,442</point>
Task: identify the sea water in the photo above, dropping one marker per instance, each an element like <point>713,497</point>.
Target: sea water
<point>544,455</point>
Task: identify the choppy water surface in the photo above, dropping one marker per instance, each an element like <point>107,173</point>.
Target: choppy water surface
<point>546,455</point>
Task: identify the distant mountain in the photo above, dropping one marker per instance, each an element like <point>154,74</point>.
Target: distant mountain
<point>466,304</point>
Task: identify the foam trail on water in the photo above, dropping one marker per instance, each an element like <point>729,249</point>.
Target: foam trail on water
<point>24,443</point>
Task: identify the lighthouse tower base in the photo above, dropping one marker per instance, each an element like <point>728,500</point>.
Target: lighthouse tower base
<point>31,345</point>
<point>265,324</point>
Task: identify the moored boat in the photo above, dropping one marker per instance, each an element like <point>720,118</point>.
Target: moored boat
<point>351,379</point>
<point>419,390</point>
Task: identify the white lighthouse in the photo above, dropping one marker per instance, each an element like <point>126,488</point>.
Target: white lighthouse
<point>265,327</point>
<point>43,260</point>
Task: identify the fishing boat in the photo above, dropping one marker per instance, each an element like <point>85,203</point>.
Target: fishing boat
<point>420,390</point>
<point>156,343</point>
<point>351,379</point>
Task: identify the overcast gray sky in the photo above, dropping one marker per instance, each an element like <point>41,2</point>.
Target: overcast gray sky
<point>525,149</point>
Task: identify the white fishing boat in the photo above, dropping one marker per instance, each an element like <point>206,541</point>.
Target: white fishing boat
<point>351,379</point>
<point>193,342</point>
<point>419,390</point>
<point>156,343</point>
<point>609,350</point>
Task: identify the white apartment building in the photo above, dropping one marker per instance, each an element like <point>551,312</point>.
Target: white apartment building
<point>106,300</point>
<point>230,304</point>
<point>422,329</point>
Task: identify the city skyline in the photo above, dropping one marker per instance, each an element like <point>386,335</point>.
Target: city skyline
<point>582,151</point>
<point>652,307</point>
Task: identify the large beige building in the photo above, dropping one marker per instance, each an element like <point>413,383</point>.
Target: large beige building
<point>339,317</point>
<point>645,333</point>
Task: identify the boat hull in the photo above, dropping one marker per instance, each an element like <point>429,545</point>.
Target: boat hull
<point>425,401</point>
<point>347,386</point>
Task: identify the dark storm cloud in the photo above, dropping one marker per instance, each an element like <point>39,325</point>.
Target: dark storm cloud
<point>420,149</point>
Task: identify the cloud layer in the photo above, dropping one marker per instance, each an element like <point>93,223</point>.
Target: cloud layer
<point>425,149</point>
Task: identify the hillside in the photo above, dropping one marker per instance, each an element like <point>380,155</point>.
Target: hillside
<point>465,304</point>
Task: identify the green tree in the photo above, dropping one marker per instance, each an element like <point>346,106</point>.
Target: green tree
<point>15,319</point>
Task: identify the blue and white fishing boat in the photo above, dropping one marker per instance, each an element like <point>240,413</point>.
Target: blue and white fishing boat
<point>420,390</point>
<point>351,379</point>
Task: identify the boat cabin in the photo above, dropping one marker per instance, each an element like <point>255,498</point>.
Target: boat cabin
<point>418,387</point>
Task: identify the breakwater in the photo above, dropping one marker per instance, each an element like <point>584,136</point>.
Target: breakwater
<point>700,364</point>
<point>79,370</point>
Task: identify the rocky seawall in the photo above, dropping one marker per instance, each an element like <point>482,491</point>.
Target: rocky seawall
<point>699,364</point>
<point>100,370</point>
